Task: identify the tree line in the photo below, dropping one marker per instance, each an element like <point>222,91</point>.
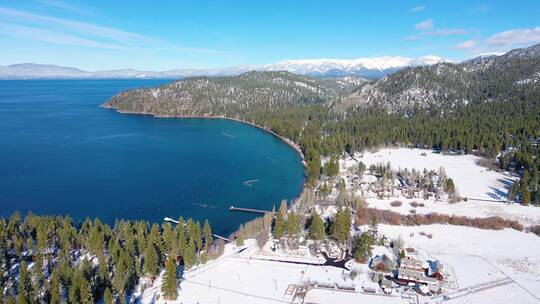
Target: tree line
<point>50,259</point>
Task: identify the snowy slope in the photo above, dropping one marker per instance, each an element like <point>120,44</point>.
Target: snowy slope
<point>365,67</point>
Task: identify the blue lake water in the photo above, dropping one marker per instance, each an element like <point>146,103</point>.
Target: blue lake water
<point>61,154</point>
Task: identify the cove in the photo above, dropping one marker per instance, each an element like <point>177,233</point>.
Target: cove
<point>62,154</point>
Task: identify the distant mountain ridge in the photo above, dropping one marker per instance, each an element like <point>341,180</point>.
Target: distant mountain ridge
<point>442,86</point>
<point>375,67</point>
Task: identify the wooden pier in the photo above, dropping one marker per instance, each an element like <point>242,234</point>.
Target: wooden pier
<point>249,210</point>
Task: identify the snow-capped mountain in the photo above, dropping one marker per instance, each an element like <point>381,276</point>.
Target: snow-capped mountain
<point>374,67</point>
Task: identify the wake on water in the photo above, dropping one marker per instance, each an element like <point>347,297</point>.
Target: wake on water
<point>228,135</point>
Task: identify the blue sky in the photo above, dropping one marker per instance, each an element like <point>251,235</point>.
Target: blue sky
<point>160,35</point>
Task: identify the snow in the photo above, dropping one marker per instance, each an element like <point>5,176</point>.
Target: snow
<point>325,296</point>
<point>470,179</point>
<point>322,65</point>
<point>243,280</point>
<point>480,256</point>
<point>526,215</point>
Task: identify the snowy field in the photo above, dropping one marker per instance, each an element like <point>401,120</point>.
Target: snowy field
<point>470,179</point>
<point>490,267</point>
<point>482,256</point>
<point>243,277</point>
<point>526,215</point>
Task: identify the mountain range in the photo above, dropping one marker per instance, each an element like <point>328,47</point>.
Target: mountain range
<point>512,76</point>
<point>369,68</point>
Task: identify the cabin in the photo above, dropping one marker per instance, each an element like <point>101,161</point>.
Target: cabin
<point>382,264</point>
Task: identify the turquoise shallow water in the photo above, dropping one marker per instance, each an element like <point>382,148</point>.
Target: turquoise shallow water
<point>61,154</point>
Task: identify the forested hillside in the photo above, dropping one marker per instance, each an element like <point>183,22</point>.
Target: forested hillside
<point>232,96</point>
<point>513,76</point>
<point>52,260</point>
<point>488,106</point>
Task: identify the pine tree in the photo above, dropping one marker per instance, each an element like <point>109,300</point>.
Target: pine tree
<point>23,291</point>
<point>198,236</point>
<point>362,247</point>
<point>54,289</point>
<point>155,238</point>
<point>169,238</point>
<point>190,257</point>
<point>169,287</point>
<point>208,239</point>
<point>279,226</point>
<point>182,238</point>
<point>316,228</point>
<point>151,266</point>
<point>526,197</point>
<point>341,229</point>
<point>107,296</point>
<point>293,227</point>
<point>85,291</point>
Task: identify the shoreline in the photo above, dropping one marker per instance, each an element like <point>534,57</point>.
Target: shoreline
<point>287,141</point>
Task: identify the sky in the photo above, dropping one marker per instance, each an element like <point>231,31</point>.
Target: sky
<point>162,35</point>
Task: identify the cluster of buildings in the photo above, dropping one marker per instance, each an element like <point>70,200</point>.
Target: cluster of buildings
<point>406,268</point>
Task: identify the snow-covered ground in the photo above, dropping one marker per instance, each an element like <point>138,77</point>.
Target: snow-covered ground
<point>526,215</point>
<point>489,267</point>
<point>470,179</point>
<point>479,257</point>
<point>243,277</point>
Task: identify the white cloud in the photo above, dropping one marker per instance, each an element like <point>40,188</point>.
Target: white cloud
<point>466,45</point>
<point>425,25</point>
<point>66,7</point>
<point>36,34</point>
<point>445,32</point>
<point>30,26</point>
<point>515,37</point>
<point>417,9</point>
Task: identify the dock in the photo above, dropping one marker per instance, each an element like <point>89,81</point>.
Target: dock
<point>249,210</point>
<point>170,220</point>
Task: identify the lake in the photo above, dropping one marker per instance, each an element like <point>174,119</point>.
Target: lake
<point>62,154</point>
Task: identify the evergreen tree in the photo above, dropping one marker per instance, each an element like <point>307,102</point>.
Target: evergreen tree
<point>341,228</point>
<point>107,296</point>
<point>279,226</point>
<point>54,289</point>
<point>190,256</point>
<point>23,292</point>
<point>151,266</point>
<point>169,287</point>
<point>208,239</point>
<point>316,227</point>
<point>182,238</point>
<point>362,247</point>
<point>198,236</point>
<point>293,227</point>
